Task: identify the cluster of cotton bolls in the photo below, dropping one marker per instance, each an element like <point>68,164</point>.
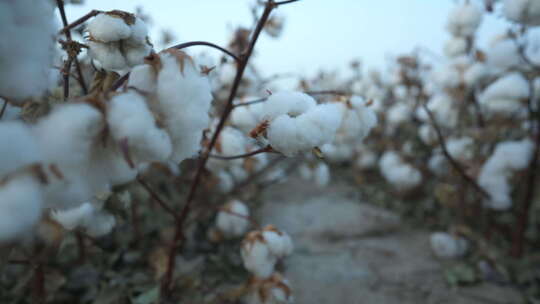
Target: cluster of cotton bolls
<point>75,155</point>
<point>508,157</point>
<point>28,29</point>
<point>118,40</point>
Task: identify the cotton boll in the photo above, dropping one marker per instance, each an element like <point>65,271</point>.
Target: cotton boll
<point>232,220</point>
<point>444,111</point>
<point>28,29</point>
<point>246,118</point>
<point>107,28</point>
<point>108,54</point>
<point>447,76</point>
<point>358,121</point>
<point>135,55</point>
<point>455,47</point>
<point>20,206</point>
<point>460,148</point>
<point>279,242</point>
<point>447,246</point>
<point>338,151</point>
<point>427,134</point>
<point>305,172</point>
<point>287,102</point>
<point>101,223</point>
<point>396,172</point>
<point>476,74</point>
<point>130,119</point>
<point>503,54</point>
<point>18,149</point>
<point>322,175</point>
<point>438,164</point>
<point>366,158</point>
<point>256,255</point>
<point>522,11</point>
<point>398,113</point>
<point>504,95</point>
<point>184,101</point>
<point>139,32</point>
<point>110,167</point>
<point>143,77</point>
<point>464,20</point>
<point>74,217</point>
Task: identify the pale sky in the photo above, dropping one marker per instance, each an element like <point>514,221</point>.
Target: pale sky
<point>318,33</point>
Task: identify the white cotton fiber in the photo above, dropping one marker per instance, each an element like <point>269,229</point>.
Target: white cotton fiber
<point>18,148</point>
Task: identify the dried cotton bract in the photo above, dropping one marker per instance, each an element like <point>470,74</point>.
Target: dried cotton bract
<point>273,290</point>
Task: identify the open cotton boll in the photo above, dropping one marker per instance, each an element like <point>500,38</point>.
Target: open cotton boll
<point>447,246</point>
<point>20,206</point>
<point>106,28</point>
<point>109,167</point>
<point>427,134</point>
<point>279,242</point>
<point>28,30</point>
<point>358,121</point>
<point>18,148</point>
<point>108,54</point>
<point>476,74</point>
<point>184,97</point>
<point>522,11</point>
<point>509,156</point>
<point>398,113</point>
<point>287,102</point>
<point>504,96</point>
<point>246,118</point>
<point>338,151</point>
<point>455,47</point>
<point>74,217</point>
<point>232,142</point>
<point>438,164</point>
<point>226,181</point>
<point>130,119</point>
<point>232,220</point>
<point>312,129</point>
<point>447,76</point>
<point>460,148</point>
<point>256,255</point>
<point>444,110</point>
<point>366,158</point>
<point>135,54</point>
<point>143,77</point>
<point>464,20</point>
<point>503,54</point>
<point>273,290</point>
<point>101,223</point>
<point>396,172</point>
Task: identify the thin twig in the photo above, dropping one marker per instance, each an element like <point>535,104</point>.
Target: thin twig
<point>449,157</point>
<point>215,46</point>
<point>3,110</point>
<point>267,149</point>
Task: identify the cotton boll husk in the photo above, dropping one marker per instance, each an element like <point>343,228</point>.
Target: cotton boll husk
<point>184,101</point>
<point>273,290</point>
<point>257,257</point>
<point>143,77</point>
<point>108,55</point>
<point>322,175</point>
<point>129,118</point>
<point>73,217</point>
<point>522,11</point>
<point>447,246</point>
<point>19,147</point>
<point>28,29</point>
<point>287,102</point>
<point>107,28</point>
<point>504,95</point>
<point>464,20</point>
<point>20,206</point>
<point>235,223</point>
<point>455,47</point>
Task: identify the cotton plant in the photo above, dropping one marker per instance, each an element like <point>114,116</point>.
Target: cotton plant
<point>118,40</point>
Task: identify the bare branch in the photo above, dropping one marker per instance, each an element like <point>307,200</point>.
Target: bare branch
<point>267,149</point>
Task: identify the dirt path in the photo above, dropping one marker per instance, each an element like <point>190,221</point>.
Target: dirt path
<point>351,252</point>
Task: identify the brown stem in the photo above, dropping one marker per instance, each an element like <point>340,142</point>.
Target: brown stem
<point>81,247</point>
<point>267,149</point>
<point>156,197</point>
<point>65,73</point>
<point>215,46</point>
<point>241,66</point>
<point>78,22</point>
<point>39,284</point>
<point>449,157</point>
